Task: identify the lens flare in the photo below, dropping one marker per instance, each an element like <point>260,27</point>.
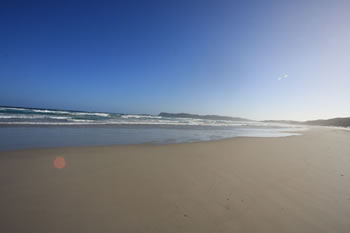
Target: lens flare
<point>59,162</point>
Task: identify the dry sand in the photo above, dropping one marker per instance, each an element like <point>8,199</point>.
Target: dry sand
<point>293,184</point>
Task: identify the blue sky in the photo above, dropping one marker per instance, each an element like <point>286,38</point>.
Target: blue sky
<point>253,59</point>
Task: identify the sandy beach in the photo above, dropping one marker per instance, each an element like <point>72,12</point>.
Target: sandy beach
<point>263,185</point>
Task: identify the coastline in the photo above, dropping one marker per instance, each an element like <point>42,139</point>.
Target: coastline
<point>242,184</point>
<point>17,137</point>
<point>155,144</point>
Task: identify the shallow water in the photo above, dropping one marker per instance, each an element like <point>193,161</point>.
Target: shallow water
<point>22,137</point>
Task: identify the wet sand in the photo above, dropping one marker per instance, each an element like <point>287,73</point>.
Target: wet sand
<point>291,184</point>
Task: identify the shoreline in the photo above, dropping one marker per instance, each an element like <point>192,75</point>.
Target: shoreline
<point>115,146</point>
<point>265,185</point>
<point>15,138</point>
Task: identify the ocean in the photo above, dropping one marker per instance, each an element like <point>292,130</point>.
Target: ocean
<point>23,128</point>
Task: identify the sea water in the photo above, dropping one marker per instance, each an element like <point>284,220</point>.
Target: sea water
<point>22,128</point>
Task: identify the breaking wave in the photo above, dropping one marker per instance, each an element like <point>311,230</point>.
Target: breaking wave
<point>28,116</point>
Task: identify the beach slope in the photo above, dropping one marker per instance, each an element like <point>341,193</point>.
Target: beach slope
<point>290,184</point>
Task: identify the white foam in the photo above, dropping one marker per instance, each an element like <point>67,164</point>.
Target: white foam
<point>86,121</point>
<point>59,117</point>
<point>9,108</point>
<point>23,116</point>
<point>89,114</point>
<point>49,111</point>
<point>132,116</point>
<point>6,117</point>
<point>167,122</point>
<point>71,113</point>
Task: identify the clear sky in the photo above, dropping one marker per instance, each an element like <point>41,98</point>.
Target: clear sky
<point>254,59</point>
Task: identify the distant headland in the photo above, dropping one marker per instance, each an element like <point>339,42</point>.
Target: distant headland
<point>206,117</point>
